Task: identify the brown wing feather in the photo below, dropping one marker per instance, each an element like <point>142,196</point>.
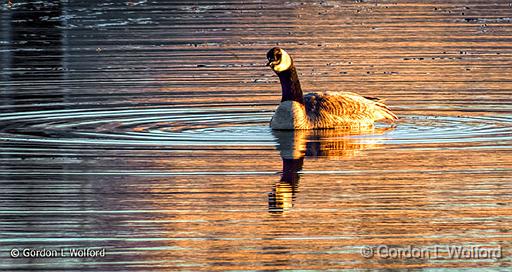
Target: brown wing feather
<point>335,109</point>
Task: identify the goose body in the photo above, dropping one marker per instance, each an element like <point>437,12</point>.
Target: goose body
<point>320,110</point>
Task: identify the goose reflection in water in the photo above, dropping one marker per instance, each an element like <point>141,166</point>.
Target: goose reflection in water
<point>294,145</point>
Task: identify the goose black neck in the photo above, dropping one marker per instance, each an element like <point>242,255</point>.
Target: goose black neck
<point>290,85</point>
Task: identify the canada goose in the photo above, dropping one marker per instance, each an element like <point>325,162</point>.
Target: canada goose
<point>319,110</point>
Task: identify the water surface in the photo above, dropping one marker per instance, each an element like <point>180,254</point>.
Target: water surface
<point>141,127</point>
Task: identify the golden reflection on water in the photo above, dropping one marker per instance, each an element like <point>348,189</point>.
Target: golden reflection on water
<point>149,136</point>
<point>333,144</point>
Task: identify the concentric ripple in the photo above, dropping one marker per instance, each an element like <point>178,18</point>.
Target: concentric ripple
<point>219,127</point>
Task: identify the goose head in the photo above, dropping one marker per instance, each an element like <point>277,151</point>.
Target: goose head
<point>278,60</point>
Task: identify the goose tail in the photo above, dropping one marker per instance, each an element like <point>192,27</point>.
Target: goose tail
<point>382,112</point>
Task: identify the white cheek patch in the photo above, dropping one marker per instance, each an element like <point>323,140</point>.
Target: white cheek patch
<point>285,63</point>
